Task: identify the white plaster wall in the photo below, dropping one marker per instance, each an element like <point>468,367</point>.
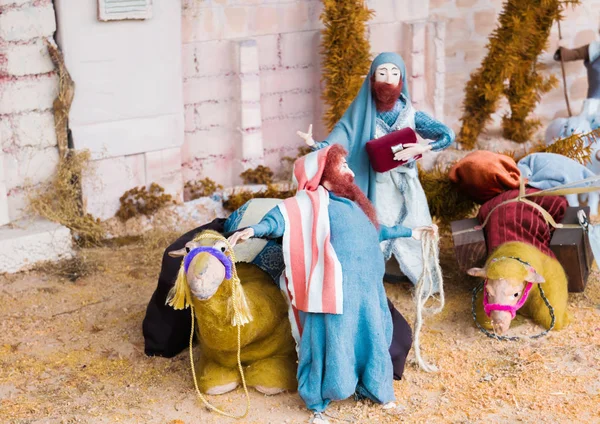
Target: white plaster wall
<point>160,99</point>
<point>128,78</point>
<point>128,105</point>
<point>4,216</point>
<point>30,242</point>
<point>288,37</point>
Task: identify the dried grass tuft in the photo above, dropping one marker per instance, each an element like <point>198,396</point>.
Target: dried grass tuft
<point>576,147</point>
<point>200,188</point>
<point>143,201</point>
<point>60,200</point>
<point>446,202</point>
<point>237,199</point>
<point>80,266</point>
<point>259,175</point>
<point>154,242</point>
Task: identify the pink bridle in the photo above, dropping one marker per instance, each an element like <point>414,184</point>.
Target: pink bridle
<point>489,307</point>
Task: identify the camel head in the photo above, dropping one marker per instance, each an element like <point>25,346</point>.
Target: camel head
<point>206,263</point>
<point>508,281</point>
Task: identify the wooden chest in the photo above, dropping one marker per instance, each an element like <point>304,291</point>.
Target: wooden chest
<point>572,249</point>
<point>469,247</point>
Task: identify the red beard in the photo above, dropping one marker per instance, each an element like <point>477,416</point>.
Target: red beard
<point>385,95</point>
<point>343,184</point>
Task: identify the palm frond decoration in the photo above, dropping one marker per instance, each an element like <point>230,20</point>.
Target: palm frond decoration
<point>511,69</point>
<point>576,147</point>
<point>346,54</point>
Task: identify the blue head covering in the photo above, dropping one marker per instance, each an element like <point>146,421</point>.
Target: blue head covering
<point>357,126</point>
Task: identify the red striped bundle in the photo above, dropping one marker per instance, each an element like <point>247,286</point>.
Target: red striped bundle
<point>518,221</point>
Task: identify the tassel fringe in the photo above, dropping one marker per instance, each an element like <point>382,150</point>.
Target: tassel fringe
<point>179,296</point>
<point>238,304</point>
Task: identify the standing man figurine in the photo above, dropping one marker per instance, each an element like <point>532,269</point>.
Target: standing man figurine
<point>381,107</point>
<point>590,54</point>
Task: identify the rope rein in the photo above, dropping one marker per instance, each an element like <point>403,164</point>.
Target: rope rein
<point>430,251</point>
<point>238,323</point>
<point>479,288</point>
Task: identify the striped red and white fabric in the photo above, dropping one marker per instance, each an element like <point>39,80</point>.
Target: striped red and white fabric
<point>293,314</point>
<point>312,269</point>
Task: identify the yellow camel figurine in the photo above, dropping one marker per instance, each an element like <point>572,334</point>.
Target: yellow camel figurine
<point>268,355</point>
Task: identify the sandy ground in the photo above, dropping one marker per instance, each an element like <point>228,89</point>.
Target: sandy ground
<point>71,350</point>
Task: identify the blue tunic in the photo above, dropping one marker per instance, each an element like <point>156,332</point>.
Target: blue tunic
<point>340,355</point>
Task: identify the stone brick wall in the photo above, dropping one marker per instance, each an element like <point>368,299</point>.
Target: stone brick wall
<point>468,25</point>
<point>28,86</point>
<point>287,37</point>
<point>442,42</point>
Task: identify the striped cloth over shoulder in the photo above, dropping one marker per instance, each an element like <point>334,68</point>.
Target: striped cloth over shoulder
<point>313,271</point>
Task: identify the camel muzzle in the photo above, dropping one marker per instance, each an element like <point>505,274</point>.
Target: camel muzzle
<point>206,268</point>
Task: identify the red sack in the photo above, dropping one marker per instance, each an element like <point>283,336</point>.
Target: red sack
<point>382,150</point>
<point>482,175</point>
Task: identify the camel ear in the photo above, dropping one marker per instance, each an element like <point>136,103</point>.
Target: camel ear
<point>534,277</point>
<point>178,253</point>
<point>477,272</point>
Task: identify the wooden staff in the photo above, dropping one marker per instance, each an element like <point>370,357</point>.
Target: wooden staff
<point>562,67</point>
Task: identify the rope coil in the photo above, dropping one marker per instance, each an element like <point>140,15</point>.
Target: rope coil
<point>430,250</point>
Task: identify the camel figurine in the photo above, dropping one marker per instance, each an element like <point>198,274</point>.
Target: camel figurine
<point>268,353</point>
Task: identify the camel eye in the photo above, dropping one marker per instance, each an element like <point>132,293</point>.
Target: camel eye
<point>223,249</point>
<point>516,294</point>
<point>187,249</point>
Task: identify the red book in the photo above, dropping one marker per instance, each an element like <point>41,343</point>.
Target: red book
<point>382,150</point>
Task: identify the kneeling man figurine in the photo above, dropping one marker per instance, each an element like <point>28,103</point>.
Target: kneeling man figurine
<point>333,278</point>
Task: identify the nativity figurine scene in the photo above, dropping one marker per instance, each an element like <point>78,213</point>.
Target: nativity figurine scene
<point>331,286</point>
<point>359,198</point>
<point>359,202</point>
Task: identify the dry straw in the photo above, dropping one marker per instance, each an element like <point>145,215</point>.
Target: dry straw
<point>60,200</point>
